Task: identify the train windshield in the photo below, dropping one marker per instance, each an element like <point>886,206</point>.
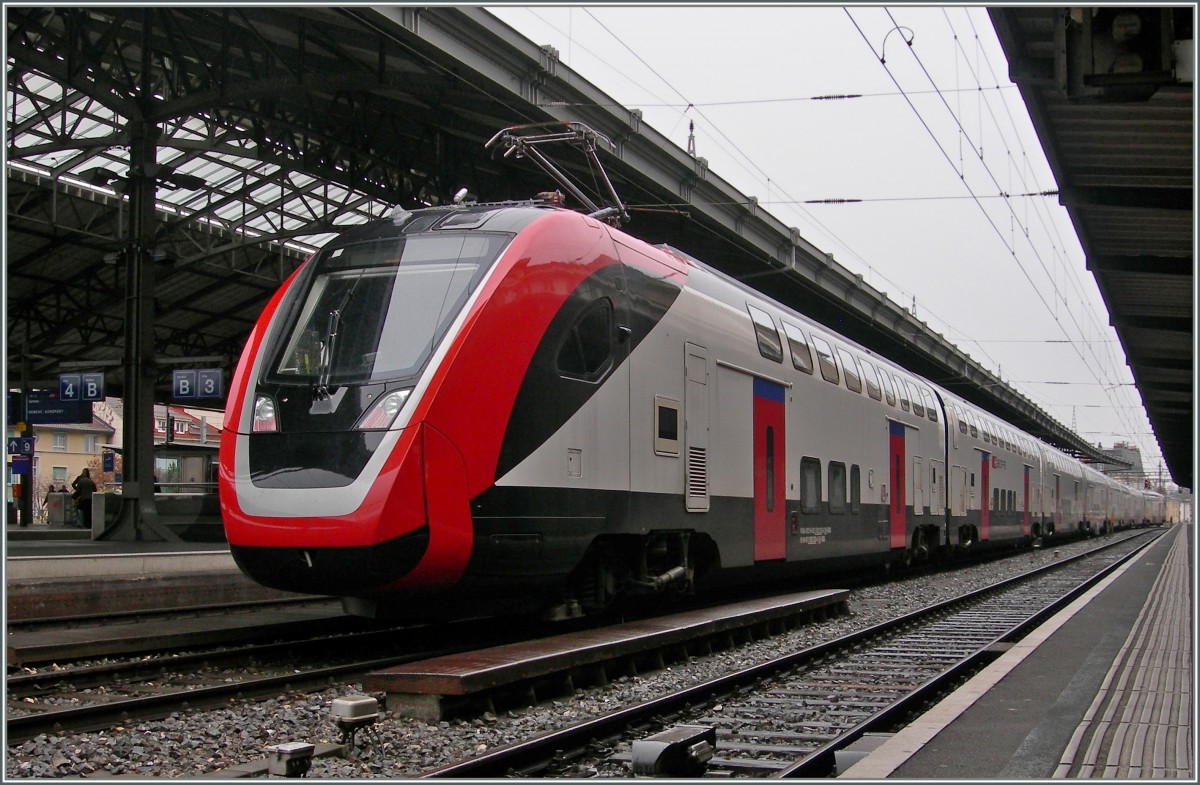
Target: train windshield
<point>374,311</point>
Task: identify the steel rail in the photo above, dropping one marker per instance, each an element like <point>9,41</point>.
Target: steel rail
<point>534,756</point>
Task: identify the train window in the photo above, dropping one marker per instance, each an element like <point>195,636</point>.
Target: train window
<point>903,393</point>
<point>375,311</point>
<point>837,487</point>
<point>962,421</point>
<point>930,408</point>
<point>586,351</point>
<point>850,366</point>
<point>801,356</point>
<point>974,426</point>
<point>888,392</point>
<point>996,499</point>
<point>767,333</point>
<point>871,377</point>
<point>666,419</point>
<point>855,488</point>
<point>917,408</point>
<point>810,485</point>
<point>829,369</point>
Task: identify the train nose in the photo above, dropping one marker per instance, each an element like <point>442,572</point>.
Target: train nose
<point>450,530</point>
<point>333,571</point>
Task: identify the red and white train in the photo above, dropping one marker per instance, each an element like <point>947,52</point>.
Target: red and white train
<point>516,406</point>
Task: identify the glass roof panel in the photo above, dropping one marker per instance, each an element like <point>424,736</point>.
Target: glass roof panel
<point>241,193</point>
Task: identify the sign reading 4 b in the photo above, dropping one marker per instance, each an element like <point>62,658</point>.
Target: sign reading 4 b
<point>81,387</point>
<point>204,383</point>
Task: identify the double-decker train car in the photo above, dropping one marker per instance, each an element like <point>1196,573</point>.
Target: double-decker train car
<point>514,406</point>
<point>1061,493</point>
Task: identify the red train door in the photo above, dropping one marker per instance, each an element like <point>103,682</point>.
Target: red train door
<point>1057,503</point>
<point>897,525</point>
<point>985,492</point>
<point>1027,526</point>
<point>769,462</point>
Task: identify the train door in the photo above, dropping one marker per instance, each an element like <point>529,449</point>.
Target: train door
<point>1056,521</point>
<point>937,488</point>
<point>1025,512</point>
<point>897,525</point>
<point>918,485</point>
<point>985,494</point>
<point>958,490</point>
<point>695,429</point>
<point>769,462</point>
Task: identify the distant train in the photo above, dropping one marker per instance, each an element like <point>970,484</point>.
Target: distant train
<point>512,406</point>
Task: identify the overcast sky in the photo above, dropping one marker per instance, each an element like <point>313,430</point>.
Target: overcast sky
<point>937,136</point>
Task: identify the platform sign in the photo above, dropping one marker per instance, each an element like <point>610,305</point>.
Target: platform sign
<point>81,386</point>
<point>183,384</point>
<point>210,383</point>
<point>203,383</point>
<point>68,387</point>
<point>107,462</point>
<point>92,386</point>
<point>45,407</point>
<point>20,464</point>
<point>20,445</point>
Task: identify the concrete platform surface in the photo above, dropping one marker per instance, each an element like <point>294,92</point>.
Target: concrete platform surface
<point>1104,689</point>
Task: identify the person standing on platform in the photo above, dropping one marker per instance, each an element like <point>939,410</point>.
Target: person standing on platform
<point>46,502</point>
<point>84,487</point>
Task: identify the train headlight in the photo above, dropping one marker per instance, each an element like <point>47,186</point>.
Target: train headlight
<point>264,415</point>
<point>383,411</point>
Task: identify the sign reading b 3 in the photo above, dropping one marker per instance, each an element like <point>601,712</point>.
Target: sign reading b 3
<point>204,383</point>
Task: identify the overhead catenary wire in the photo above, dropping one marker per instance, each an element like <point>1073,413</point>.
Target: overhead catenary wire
<point>1070,272</point>
<point>777,196</point>
<point>740,156</point>
<point>1106,368</point>
<point>1051,227</point>
<point>961,172</point>
<point>737,154</point>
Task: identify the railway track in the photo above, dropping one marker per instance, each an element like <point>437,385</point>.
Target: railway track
<point>787,718</point>
<point>94,695</point>
<point>99,695</point>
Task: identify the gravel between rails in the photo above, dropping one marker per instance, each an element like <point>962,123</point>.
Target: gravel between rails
<point>205,742</point>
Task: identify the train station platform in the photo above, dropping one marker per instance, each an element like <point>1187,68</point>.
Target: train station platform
<point>36,552</point>
<point>1102,690</point>
<point>56,572</point>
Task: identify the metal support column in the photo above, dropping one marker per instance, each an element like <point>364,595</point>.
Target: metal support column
<point>26,503</point>
<point>138,518</point>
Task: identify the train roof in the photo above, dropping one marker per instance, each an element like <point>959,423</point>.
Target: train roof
<point>509,217</point>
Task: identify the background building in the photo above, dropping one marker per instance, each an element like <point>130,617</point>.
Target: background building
<point>186,441</point>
